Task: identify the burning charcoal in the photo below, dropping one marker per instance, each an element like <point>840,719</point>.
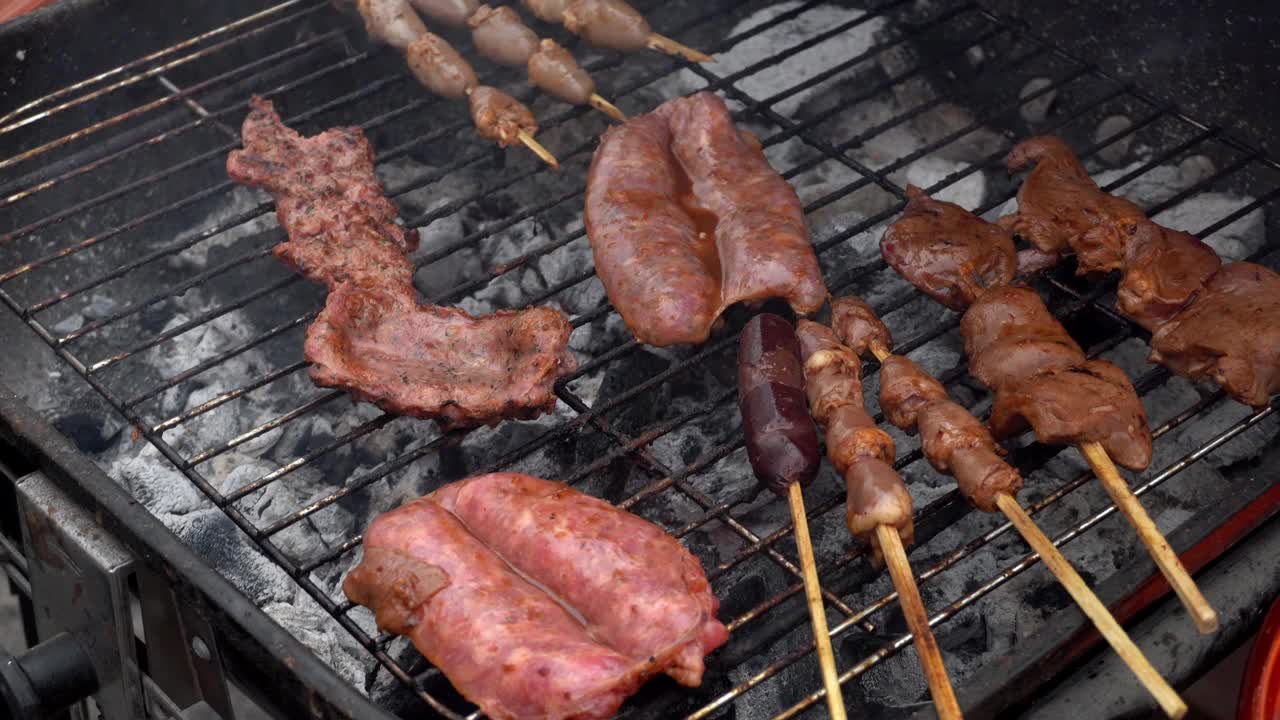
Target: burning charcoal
<point>928,171</point>
<point>1037,110</point>
<point>308,622</point>
<point>100,306</point>
<point>1237,241</point>
<point>1116,151</point>
<point>68,324</point>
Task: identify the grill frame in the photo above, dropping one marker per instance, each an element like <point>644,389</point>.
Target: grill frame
<point>26,429</point>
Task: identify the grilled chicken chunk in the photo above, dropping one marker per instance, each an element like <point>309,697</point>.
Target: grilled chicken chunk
<point>393,22</point>
<point>501,36</point>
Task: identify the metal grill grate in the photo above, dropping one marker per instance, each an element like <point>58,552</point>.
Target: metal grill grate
<point>165,122</point>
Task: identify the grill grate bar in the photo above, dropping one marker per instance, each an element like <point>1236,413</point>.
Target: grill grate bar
<point>131,65</point>
<point>168,99</point>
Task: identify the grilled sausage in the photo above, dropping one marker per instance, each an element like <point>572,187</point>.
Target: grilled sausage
<point>781,441</point>
<point>391,21</point>
<point>551,11</point>
<point>608,23</point>
<point>449,12</point>
<point>439,67</point>
<point>501,36</point>
<point>556,72</point>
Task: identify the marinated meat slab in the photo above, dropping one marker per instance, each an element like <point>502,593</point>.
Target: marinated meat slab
<point>1009,336</point>
<point>1230,333</point>
<point>535,600</point>
<point>1058,202</point>
<point>373,339</point>
<point>437,362</point>
<point>1163,270</point>
<point>948,252</point>
<point>340,224</point>
<point>686,218</point>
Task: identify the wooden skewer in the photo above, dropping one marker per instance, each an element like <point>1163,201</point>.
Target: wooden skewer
<point>935,672</point>
<point>607,108</point>
<point>538,149</point>
<point>1202,613</point>
<point>1102,618</point>
<point>662,43</point>
<point>813,594</point>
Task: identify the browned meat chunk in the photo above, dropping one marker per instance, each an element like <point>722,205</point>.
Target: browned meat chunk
<point>905,390</point>
<point>877,496</point>
<point>500,117</point>
<point>449,12</point>
<point>341,226</point>
<point>391,21</point>
<point>1059,202</point>
<point>1229,333</point>
<point>1163,270</point>
<point>1094,402</point>
<point>501,36</point>
<point>436,362</point>
<point>551,11</point>
<point>948,252</point>
<point>686,218</point>
<point>537,601</point>
<point>553,70</point>
<point>439,67</point>
<point>607,23</point>
<point>858,326</point>
<point>1009,335</point>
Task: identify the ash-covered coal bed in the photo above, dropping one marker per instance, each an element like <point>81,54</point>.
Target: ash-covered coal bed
<point>256,417</point>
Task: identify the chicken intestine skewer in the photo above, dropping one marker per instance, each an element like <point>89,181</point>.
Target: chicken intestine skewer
<point>956,443</point>
<point>609,24</point>
<point>442,70</point>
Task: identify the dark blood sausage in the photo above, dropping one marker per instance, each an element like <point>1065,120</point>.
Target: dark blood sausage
<point>781,441</point>
<point>686,218</point>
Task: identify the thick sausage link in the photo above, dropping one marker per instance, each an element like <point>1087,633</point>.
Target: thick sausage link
<point>781,441</point>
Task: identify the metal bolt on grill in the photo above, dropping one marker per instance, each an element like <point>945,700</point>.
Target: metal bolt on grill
<point>149,274</point>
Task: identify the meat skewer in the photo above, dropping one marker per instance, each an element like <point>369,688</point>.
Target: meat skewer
<point>501,36</point>
<point>1041,378</point>
<point>439,67</point>
<point>1207,319</point>
<point>610,24</point>
<point>957,443</point>
<point>783,449</point>
<point>879,507</point>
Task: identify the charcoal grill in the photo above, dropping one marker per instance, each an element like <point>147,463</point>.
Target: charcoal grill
<point>171,354</point>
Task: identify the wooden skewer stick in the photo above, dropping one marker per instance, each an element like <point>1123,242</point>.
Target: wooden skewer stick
<point>538,149</point>
<point>662,43</point>
<point>895,556</point>
<point>1102,618</point>
<point>607,108</point>
<point>1166,559</point>
<point>813,594</point>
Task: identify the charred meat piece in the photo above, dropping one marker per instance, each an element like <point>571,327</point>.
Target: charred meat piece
<point>393,22</point>
<point>858,326</point>
<point>500,117</point>
<point>436,362</point>
<point>1093,402</point>
<point>860,451</point>
<point>501,36</point>
<point>686,218</point>
<point>554,70</point>
<point>341,226</point>
<point>609,24</point>
<point>1163,271</point>
<point>639,590</point>
<point>948,252</point>
<point>475,575</point>
<point>1230,332</point>
<point>1059,202</point>
<point>1009,336</point>
<point>449,12</point>
<point>438,66</point>
<point>905,390</point>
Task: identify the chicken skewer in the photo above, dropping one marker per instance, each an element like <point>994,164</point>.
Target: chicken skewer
<point>879,507</point>
<point>502,36</point>
<point>956,443</point>
<point>783,449</point>
<point>1039,375</point>
<point>439,67</point>
<point>610,24</point>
